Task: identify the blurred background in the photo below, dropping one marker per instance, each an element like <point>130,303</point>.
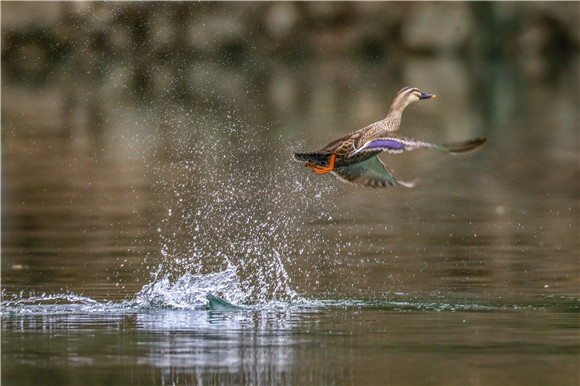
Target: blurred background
<point>103,104</point>
<point>147,162</point>
<point>66,67</point>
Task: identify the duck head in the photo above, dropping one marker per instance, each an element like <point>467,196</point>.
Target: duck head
<point>406,96</point>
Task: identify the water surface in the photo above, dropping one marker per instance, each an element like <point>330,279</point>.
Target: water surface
<point>117,226</point>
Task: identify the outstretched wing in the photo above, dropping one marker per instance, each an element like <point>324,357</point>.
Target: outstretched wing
<point>399,144</point>
<point>391,144</point>
<point>371,173</point>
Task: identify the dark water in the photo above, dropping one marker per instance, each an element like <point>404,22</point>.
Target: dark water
<point>355,342</point>
<point>114,233</point>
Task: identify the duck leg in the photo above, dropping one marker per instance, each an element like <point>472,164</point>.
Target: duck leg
<point>322,169</point>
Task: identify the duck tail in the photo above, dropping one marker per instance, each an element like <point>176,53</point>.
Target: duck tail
<point>461,147</point>
<point>315,158</point>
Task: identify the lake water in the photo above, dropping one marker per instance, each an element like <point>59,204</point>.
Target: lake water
<point>115,231</point>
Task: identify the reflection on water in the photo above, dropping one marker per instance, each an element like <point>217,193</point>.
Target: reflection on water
<point>133,191</point>
<point>315,342</point>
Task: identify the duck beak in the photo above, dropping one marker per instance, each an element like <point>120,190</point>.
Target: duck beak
<point>427,96</point>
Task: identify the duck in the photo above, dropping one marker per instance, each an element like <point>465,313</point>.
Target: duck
<point>353,157</point>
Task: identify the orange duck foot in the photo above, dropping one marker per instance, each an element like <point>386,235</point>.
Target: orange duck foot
<point>321,169</point>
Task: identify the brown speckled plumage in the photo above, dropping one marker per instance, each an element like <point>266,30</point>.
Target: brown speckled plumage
<point>352,157</point>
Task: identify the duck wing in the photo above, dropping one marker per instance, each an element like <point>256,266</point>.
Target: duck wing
<point>393,143</point>
<point>371,173</point>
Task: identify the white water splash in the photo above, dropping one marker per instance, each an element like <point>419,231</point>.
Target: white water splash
<point>232,226</point>
<point>190,290</point>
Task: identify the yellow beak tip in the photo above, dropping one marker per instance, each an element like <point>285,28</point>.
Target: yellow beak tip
<point>434,96</point>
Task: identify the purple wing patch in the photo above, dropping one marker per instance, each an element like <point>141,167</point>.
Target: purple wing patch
<point>386,143</point>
